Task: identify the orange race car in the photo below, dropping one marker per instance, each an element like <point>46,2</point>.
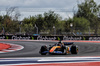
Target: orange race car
<point>59,48</point>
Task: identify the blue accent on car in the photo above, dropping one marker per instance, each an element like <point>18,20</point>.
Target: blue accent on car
<point>68,43</point>
<point>45,52</point>
<point>58,52</point>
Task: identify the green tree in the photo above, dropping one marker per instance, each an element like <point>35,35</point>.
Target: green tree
<point>28,25</point>
<point>89,10</point>
<point>10,26</point>
<point>7,23</point>
<point>1,22</point>
<point>51,19</point>
<point>67,24</point>
<point>81,24</point>
<point>40,22</point>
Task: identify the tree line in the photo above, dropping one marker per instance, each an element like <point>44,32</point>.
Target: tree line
<point>85,20</point>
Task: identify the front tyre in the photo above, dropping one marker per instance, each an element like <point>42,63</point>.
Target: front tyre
<point>42,50</point>
<point>74,49</point>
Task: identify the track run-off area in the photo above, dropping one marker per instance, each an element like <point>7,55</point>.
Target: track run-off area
<point>89,54</point>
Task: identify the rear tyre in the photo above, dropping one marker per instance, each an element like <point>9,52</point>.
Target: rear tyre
<point>74,50</point>
<point>43,48</point>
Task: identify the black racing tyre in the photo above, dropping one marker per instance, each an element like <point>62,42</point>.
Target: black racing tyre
<point>74,49</point>
<point>43,48</point>
<point>43,53</point>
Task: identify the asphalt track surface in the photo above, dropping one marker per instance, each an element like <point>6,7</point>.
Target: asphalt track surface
<point>31,49</point>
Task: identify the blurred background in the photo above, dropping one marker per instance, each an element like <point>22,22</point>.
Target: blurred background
<point>84,21</point>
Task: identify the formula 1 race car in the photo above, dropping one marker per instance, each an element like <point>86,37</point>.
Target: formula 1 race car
<point>59,48</point>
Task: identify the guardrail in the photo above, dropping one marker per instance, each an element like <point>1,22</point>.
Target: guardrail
<point>30,37</point>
